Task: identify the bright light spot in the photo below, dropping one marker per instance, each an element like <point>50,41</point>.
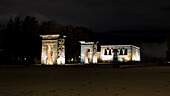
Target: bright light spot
<point>136,57</point>
<point>94,59</point>
<point>72,59</point>
<point>121,60</point>
<point>60,60</point>
<point>86,60</point>
<point>63,60</point>
<point>107,57</point>
<point>127,58</point>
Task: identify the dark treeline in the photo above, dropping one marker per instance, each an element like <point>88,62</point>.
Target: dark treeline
<point>21,41</point>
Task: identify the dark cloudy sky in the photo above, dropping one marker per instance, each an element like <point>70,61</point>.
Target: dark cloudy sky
<point>100,15</point>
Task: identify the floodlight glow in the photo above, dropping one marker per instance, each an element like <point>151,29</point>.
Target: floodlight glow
<point>72,59</point>
<point>44,57</point>
<point>127,58</point>
<point>60,60</point>
<point>121,60</point>
<point>86,61</point>
<point>63,60</point>
<point>49,60</point>
<point>94,59</point>
<point>106,57</point>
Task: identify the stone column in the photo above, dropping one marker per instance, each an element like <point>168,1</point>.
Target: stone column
<point>44,54</point>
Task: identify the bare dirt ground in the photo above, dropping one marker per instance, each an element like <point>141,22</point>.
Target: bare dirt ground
<point>70,81</point>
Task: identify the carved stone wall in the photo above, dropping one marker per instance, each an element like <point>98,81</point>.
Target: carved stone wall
<point>53,49</point>
<point>119,53</point>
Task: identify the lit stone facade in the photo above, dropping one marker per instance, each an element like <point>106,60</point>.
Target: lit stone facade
<point>88,52</point>
<point>53,49</point>
<point>108,53</point>
<point>119,53</point>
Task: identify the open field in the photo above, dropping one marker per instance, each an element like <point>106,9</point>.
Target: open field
<point>79,81</point>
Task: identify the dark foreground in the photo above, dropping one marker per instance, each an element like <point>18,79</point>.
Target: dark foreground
<point>80,81</point>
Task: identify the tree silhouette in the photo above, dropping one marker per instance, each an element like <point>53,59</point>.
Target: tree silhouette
<point>31,39</point>
<point>22,40</point>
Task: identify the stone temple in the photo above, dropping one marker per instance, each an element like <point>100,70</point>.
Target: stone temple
<point>53,51</point>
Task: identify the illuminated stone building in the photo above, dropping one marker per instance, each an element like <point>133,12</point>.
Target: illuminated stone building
<point>108,53</point>
<point>53,49</point>
<point>88,52</point>
<point>120,53</point>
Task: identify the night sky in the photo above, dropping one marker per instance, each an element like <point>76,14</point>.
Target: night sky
<point>99,15</point>
<point>143,21</point>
